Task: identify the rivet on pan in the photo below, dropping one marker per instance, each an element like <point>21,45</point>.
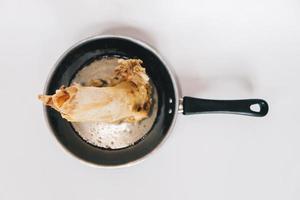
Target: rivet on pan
<point>180,106</point>
<point>170,111</point>
<point>170,100</point>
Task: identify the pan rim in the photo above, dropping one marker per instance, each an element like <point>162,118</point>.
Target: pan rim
<point>174,84</point>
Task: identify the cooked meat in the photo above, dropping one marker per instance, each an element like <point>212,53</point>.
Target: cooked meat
<point>127,97</point>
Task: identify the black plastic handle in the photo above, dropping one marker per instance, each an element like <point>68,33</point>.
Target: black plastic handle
<point>242,107</point>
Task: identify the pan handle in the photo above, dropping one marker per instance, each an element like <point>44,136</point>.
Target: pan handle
<point>250,107</point>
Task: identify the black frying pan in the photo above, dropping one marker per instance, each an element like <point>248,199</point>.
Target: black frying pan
<point>169,103</point>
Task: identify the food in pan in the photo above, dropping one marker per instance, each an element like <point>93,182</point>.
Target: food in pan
<point>126,96</point>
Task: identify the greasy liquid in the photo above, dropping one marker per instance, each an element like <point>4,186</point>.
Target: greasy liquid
<point>106,135</point>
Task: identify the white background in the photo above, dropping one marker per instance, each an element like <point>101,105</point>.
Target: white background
<point>219,49</point>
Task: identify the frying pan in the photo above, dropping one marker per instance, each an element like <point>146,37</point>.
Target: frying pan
<point>169,101</point>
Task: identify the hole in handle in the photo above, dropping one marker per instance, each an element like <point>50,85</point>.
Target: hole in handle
<point>255,107</point>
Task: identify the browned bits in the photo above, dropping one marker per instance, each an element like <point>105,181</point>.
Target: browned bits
<point>145,106</point>
<point>96,83</point>
<point>139,108</point>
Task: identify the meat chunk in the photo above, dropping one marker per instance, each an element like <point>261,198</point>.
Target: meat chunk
<point>127,97</point>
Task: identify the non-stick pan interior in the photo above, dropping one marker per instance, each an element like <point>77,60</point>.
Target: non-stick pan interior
<point>95,48</point>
